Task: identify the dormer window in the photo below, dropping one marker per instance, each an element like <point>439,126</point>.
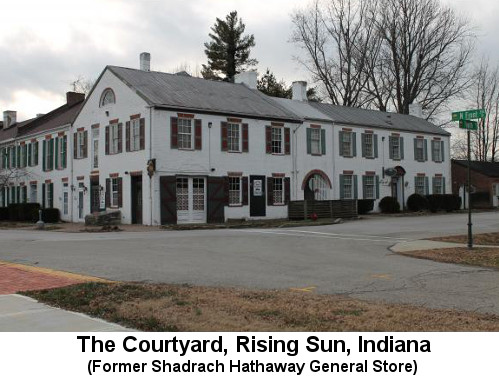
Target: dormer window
<point>107,97</point>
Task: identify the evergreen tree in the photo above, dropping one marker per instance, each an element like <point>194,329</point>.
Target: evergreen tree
<point>229,49</point>
<point>269,85</point>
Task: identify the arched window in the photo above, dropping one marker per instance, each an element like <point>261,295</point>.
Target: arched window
<point>107,97</point>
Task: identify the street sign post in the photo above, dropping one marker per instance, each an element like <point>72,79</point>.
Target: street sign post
<point>465,122</point>
<point>468,115</point>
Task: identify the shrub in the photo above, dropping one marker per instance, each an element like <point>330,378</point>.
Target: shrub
<point>50,215</point>
<point>23,211</point>
<point>389,204</point>
<point>417,203</point>
<point>4,214</point>
<point>364,206</point>
<point>448,203</point>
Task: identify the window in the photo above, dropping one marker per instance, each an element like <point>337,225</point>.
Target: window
<point>135,134</point>
<point>184,133</point>
<point>346,144</point>
<point>315,141</point>
<point>61,153</point>
<point>114,139</point>
<point>115,190</point>
<point>347,187</point>
<point>419,149</point>
<point>12,162</point>
<point>438,185</point>
<point>369,187</point>
<point>49,154</point>
<point>276,140</point>
<point>22,156</point>
<point>107,97</point>
<point>235,190</point>
<point>437,151</point>
<point>368,142</point>
<point>50,195</point>
<point>33,154</point>
<point>95,148</point>
<point>234,137</point>
<point>278,191</point>
<point>33,193</point>
<point>65,203</point>
<point>80,145</point>
<point>319,186</point>
<point>396,148</point>
<point>420,185</point>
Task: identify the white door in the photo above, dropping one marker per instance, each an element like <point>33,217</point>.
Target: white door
<point>191,200</point>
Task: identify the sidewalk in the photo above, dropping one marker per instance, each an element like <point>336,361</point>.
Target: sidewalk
<point>23,314</point>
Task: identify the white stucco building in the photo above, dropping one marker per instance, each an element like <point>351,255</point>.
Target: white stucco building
<point>165,148</point>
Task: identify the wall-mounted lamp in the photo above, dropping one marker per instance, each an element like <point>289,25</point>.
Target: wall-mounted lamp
<point>212,169</point>
<point>126,172</point>
<point>107,113</point>
<point>210,124</point>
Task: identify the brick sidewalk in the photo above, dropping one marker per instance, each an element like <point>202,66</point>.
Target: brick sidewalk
<point>16,277</point>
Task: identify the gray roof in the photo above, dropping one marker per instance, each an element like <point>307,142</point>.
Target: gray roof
<point>302,109</point>
<point>186,93</point>
<point>385,120</point>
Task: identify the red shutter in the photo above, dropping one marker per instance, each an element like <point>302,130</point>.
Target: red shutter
<point>127,133</point>
<point>85,144</point>
<point>174,132</point>
<point>75,145</point>
<point>245,138</point>
<point>142,133</point>
<point>270,191</point>
<point>120,137</point>
<point>108,193</point>
<point>287,141</point>
<point>107,140</point>
<point>198,135</point>
<point>120,192</point>
<point>287,190</point>
<point>223,129</point>
<point>268,139</point>
<point>245,190</point>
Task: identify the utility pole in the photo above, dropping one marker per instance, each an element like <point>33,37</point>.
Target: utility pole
<point>470,224</point>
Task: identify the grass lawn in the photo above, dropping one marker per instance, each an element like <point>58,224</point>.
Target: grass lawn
<point>478,256</point>
<point>478,239</point>
<point>182,308</point>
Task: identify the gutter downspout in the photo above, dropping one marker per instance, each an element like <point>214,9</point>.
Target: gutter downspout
<point>333,189</point>
<point>71,181</point>
<point>150,157</point>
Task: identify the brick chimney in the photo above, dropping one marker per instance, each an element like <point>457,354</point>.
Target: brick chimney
<point>299,90</point>
<point>9,118</point>
<point>145,61</point>
<point>74,97</point>
<point>249,78</point>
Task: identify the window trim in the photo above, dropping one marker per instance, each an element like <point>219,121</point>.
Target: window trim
<point>239,137</point>
<point>103,96</point>
<point>281,133</point>
<point>344,153</point>
<point>282,190</point>
<point>192,133</point>
<point>240,180</point>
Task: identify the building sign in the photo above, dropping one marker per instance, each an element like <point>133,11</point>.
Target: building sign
<point>257,187</point>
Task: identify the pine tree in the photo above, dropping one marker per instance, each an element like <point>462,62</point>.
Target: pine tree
<point>229,50</point>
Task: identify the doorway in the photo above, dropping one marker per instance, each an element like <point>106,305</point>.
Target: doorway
<point>94,194</point>
<point>136,190</point>
<point>257,196</point>
<point>191,200</point>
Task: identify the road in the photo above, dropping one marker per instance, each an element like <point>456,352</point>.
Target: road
<point>350,258</point>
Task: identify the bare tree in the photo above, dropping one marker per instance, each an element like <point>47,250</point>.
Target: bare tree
<point>82,85</point>
<point>427,49</point>
<point>386,53</point>
<point>337,37</point>
<point>11,175</point>
<point>485,90</point>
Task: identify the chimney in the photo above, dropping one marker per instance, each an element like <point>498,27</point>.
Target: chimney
<point>416,109</point>
<point>249,78</point>
<point>299,91</point>
<point>9,119</point>
<point>74,97</point>
<point>145,62</point>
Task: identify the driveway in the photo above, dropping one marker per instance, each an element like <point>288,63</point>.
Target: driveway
<point>350,258</point>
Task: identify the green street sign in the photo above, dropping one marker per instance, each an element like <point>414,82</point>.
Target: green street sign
<point>466,124</point>
<point>468,115</point>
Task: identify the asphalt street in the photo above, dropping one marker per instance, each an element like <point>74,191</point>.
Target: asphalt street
<point>350,258</point>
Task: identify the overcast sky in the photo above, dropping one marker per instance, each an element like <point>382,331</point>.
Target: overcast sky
<point>45,45</point>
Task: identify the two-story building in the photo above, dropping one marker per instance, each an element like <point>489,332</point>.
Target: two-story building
<point>164,148</point>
